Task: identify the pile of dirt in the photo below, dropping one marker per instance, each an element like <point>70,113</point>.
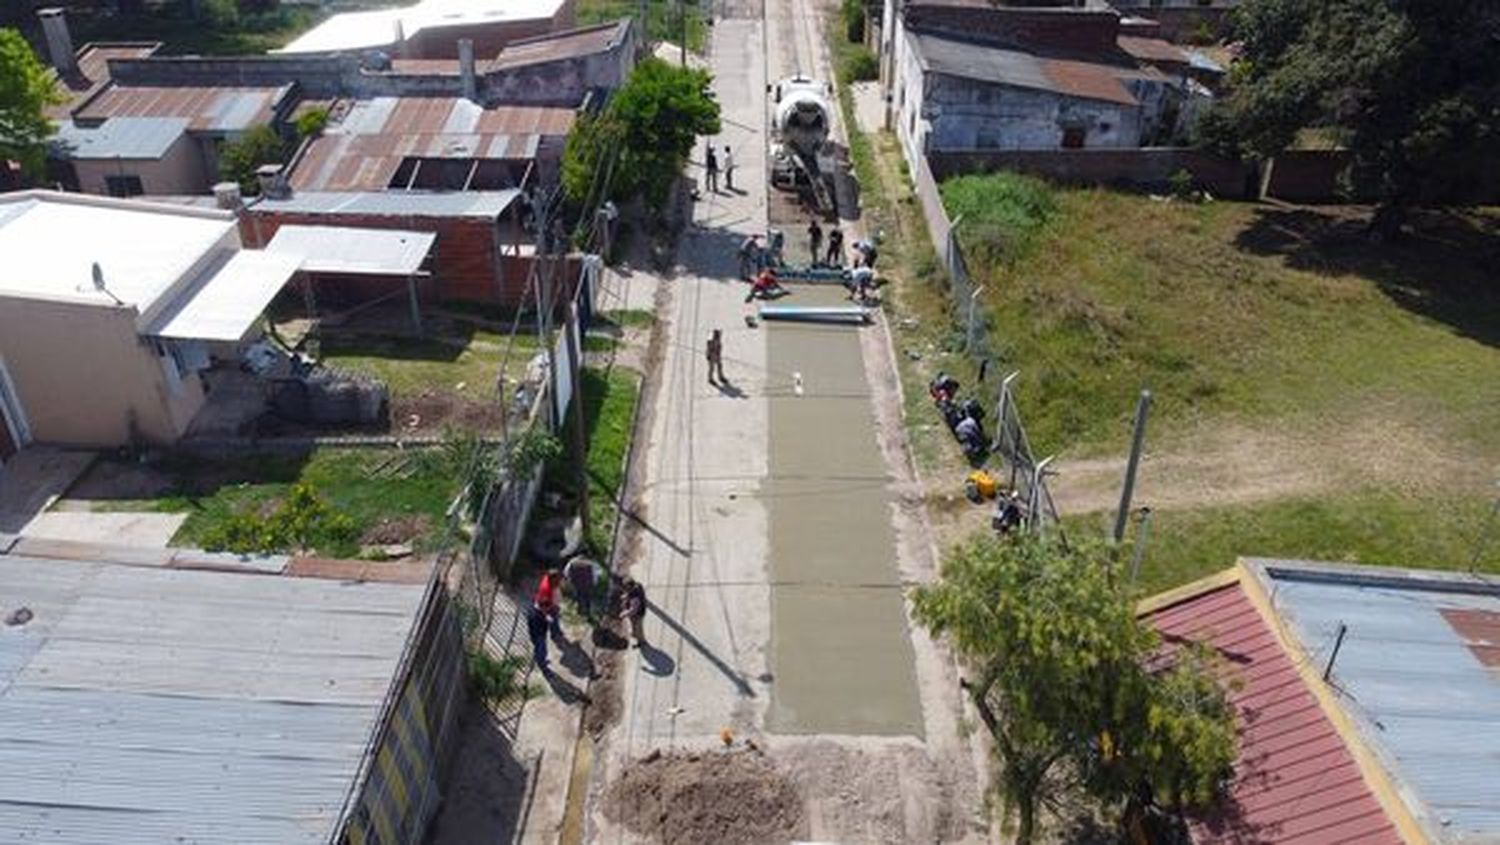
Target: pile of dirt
<point>723,796</point>
<point>433,411</point>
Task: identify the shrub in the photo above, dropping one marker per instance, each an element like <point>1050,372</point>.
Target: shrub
<point>1002,213</point>
<point>312,122</point>
<point>858,64</point>
<point>852,13</point>
<point>495,679</point>
<point>303,520</point>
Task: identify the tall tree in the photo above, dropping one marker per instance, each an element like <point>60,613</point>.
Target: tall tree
<point>1060,680</point>
<point>641,140</point>
<point>1410,87</point>
<point>26,89</point>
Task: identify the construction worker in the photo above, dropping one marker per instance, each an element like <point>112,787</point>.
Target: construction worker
<point>835,247</point>
<point>815,239</point>
<point>728,168</point>
<point>711,168</point>
<point>750,256</point>
<point>716,357</point>
<point>633,609</point>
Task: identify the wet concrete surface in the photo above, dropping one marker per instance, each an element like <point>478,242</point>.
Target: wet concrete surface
<point>841,656</point>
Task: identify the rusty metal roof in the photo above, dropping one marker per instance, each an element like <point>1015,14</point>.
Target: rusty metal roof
<point>1295,781</point>
<point>1068,77</point>
<point>367,148</point>
<point>93,71</point>
<point>207,108</point>
<point>1157,50</point>
<point>585,41</point>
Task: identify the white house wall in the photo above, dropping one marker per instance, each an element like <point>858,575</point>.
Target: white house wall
<point>966,114</point>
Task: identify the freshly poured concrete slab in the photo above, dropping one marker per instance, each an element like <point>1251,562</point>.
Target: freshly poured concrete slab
<point>841,657</point>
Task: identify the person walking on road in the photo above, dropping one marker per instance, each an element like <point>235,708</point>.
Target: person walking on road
<point>536,628</point>
<point>728,168</point>
<point>711,168</point>
<point>716,358</point>
<point>815,238</point>
<point>835,247</point>
<point>633,608</point>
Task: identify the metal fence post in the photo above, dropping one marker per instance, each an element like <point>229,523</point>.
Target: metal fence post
<point>1142,411</point>
<point>969,336</point>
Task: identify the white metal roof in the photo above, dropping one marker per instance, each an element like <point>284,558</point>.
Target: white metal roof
<point>119,137</point>
<point>148,705</point>
<point>49,242</point>
<point>227,300</point>
<point>340,249</point>
<point>376,29</point>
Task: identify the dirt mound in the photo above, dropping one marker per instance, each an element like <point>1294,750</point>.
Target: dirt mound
<point>399,529</point>
<point>722,797</point>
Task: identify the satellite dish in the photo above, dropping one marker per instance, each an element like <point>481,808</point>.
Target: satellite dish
<point>99,284</point>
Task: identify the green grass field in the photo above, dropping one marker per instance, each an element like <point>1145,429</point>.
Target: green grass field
<point>370,485</point>
<point>1231,309</point>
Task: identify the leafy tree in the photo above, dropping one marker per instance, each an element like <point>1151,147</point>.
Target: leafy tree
<point>1060,679</point>
<point>641,140</point>
<point>26,89</point>
<point>1410,87</point>
<point>312,122</point>
<point>239,159</point>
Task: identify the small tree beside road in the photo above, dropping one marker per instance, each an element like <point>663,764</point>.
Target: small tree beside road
<point>1061,681</point>
<point>639,143</point>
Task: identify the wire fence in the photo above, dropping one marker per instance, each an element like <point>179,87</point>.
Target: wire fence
<point>1027,474</point>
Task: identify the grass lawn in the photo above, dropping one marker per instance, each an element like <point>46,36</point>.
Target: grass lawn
<point>390,496</point>
<point>609,399</point>
<point>1231,309</point>
<point>180,34</point>
<point>663,19</point>
<point>1374,527</point>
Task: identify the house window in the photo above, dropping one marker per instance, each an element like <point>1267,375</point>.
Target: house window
<point>1072,137</point>
<point>123,186</point>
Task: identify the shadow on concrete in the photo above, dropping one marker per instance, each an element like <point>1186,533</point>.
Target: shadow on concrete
<point>631,515</point>
<point>1442,268</point>
<point>488,794</point>
<point>729,390</point>
<point>566,691</point>
<point>657,662</point>
<point>725,669</point>
<point>574,659</point>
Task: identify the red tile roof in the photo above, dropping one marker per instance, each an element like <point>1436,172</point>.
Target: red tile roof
<point>1295,781</point>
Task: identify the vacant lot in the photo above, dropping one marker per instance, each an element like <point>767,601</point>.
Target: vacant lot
<point>1316,394</point>
<point>392,497</point>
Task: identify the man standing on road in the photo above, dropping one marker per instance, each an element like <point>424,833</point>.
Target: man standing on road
<point>581,575</point>
<point>711,167</point>
<point>716,358</point>
<point>836,247</point>
<point>633,608</point>
<point>815,238</point>
<point>728,169</point>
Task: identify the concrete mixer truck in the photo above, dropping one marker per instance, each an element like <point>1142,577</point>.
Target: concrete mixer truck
<point>801,158</point>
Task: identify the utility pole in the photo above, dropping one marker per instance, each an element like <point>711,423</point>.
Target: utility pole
<point>1138,440</point>
<point>580,450</point>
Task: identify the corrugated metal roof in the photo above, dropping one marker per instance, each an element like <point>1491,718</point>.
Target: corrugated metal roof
<point>207,108</point>
<point>1294,779</point>
<point>339,249</point>
<point>586,41</point>
<point>364,150</point>
<point>1411,673</point>
<point>1153,49</point>
<point>227,300</point>
<point>487,204</point>
<point>93,71</point>
<point>1087,80</point>
<point>153,705</point>
<point>119,137</point>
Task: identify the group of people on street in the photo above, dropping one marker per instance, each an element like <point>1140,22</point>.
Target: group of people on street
<point>713,165</point>
<point>594,593</point>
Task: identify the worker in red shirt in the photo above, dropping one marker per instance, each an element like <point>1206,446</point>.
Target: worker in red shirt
<point>548,601</point>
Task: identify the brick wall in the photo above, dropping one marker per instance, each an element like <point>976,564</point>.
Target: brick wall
<point>1148,167</point>
<point>464,266</point>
